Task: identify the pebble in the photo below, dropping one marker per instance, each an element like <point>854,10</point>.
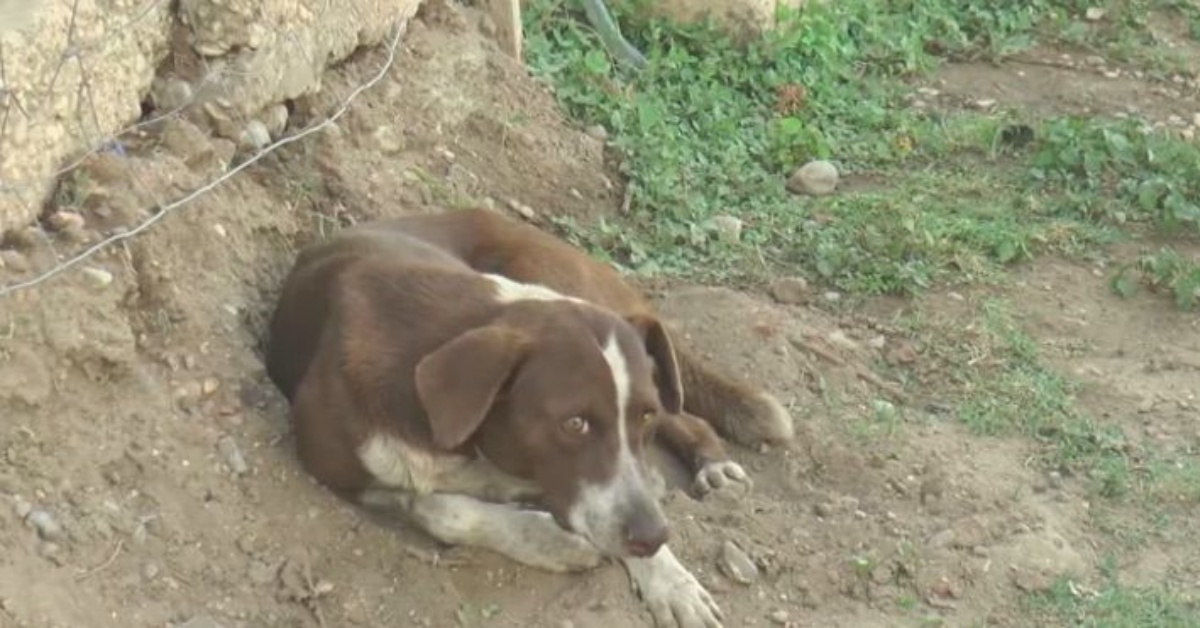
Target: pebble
<point>21,508</point>
<point>171,94</point>
<point>1095,14</point>
<point>833,297</point>
<point>149,571</point>
<point>99,275</point>
<point>275,118</point>
<point>598,131</point>
<point>521,209</point>
<point>14,261</point>
<point>254,135</point>
<point>729,228</point>
<point>64,220</point>
<point>737,565</point>
<point>47,528</point>
<point>815,178</point>
<point>232,454</point>
<point>388,140</point>
<point>790,290</point>
<point>780,617</point>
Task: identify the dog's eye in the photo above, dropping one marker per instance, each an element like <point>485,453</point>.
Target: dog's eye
<point>577,425</point>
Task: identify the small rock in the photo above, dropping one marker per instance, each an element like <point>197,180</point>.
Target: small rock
<point>832,297</point>
<point>209,386</point>
<point>815,178</point>
<point>188,391</point>
<point>942,539</point>
<point>50,551</point>
<point>790,290</point>
<point>64,220</point>
<point>21,508</point>
<point>170,94</point>
<point>149,571</point>
<point>735,564</point>
<point>1055,480</point>
<point>47,528</point>
<point>823,510</point>
<point>901,353</point>
<point>254,135</point>
<point>232,454</point>
<point>275,118</point>
<point>1095,14</point>
<point>729,228</point>
<point>388,140</point>
<point>1032,581</point>
<point>262,573</point>
<point>780,617</point>
<point>598,131</point>
<point>521,209</point>
<point>14,261</point>
<point>100,276</point>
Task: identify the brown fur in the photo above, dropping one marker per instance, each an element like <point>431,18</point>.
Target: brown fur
<point>491,243</point>
<point>377,332</point>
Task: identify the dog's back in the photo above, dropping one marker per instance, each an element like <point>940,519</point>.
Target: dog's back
<point>303,308</point>
<point>491,243</point>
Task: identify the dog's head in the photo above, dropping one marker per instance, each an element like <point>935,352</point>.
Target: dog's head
<point>562,393</point>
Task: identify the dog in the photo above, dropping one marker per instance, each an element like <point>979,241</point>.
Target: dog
<point>499,386</point>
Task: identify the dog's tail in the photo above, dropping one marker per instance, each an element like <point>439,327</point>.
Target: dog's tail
<point>737,411</point>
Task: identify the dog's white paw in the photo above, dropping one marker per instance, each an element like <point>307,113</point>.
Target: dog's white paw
<point>672,594</point>
<point>722,475</point>
<point>541,542</point>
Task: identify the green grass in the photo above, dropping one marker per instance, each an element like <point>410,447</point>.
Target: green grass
<point>707,131</point>
<point>1117,605</point>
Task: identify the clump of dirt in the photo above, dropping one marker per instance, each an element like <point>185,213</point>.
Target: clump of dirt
<point>148,474</point>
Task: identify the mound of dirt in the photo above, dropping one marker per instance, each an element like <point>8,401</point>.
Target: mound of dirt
<point>148,474</point>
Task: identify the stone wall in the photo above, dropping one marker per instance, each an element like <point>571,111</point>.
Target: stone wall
<point>76,73</point>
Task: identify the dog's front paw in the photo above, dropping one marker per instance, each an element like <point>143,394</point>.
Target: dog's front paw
<point>672,594</point>
<point>722,475</point>
<point>546,545</point>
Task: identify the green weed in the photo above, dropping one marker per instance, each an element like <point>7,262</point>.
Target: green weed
<point>1117,606</point>
<point>714,127</point>
<point>1164,270</point>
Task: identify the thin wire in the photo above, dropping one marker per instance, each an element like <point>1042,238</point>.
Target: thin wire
<point>174,205</point>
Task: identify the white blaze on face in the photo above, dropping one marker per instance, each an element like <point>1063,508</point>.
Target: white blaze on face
<point>600,511</point>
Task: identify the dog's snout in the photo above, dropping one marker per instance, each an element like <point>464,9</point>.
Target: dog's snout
<point>645,533</point>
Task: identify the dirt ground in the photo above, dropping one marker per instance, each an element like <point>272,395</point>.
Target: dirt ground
<point>148,477</point>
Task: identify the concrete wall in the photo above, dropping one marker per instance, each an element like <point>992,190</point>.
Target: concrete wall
<point>74,73</point>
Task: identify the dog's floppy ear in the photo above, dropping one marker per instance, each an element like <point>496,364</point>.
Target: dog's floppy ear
<point>458,382</point>
<point>662,352</point>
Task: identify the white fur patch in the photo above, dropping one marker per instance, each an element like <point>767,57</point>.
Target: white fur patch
<point>396,465</point>
<point>509,291</point>
<point>596,511</point>
<point>672,593</point>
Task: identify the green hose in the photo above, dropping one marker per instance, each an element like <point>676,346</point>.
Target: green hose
<point>610,34</point>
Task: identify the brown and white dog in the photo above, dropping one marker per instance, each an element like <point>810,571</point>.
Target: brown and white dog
<point>458,365</point>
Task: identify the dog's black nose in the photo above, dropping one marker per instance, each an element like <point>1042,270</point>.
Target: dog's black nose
<point>645,535</point>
